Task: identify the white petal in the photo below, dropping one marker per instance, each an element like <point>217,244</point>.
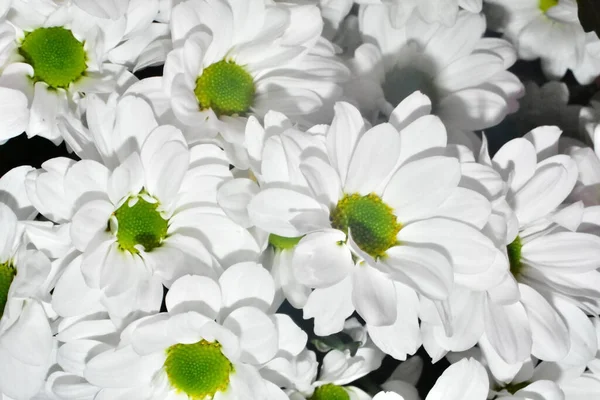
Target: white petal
<point>409,110</point>
<point>373,296</point>
<point>257,333</point>
<point>373,159</point>
<point>330,307</point>
<point>425,133</point>
<point>473,109</point>
<point>286,212</point>
<point>519,158</point>
<point>565,252</point>
<point>346,128</point>
<point>470,251</point>
<point>234,197</point>
<point>420,186</point>
<point>548,188</point>
<point>322,179</point>
<point>467,379</point>
<point>247,284</point>
<point>122,368</point>
<point>88,221</point>
<point>548,331</point>
<point>322,259</point>
<point>507,329</point>
<point>194,293</point>
<point>425,269</point>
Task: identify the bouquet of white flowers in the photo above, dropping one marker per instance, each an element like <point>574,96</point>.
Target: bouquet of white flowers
<point>299,200</point>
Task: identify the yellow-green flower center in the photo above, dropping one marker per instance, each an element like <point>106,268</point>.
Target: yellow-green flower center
<point>226,88</point>
<point>545,5</point>
<point>514,256</point>
<point>56,56</point>
<point>140,224</point>
<point>282,242</point>
<point>372,223</point>
<point>199,370</point>
<point>7,274</point>
<point>330,392</point>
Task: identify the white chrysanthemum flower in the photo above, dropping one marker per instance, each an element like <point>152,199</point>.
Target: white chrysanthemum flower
<point>53,53</point>
<point>464,74</point>
<point>147,218</point>
<point>26,342</point>
<point>210,344</point>
<point>374,211</point>
<point>233,59</point>
<point>339,368</point>
<point>553,268</point>
<point>432,11</point>
<point>549,30</point>
<point>466,379</point>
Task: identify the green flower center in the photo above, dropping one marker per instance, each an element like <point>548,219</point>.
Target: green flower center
<point>545,5</point>
<point>226,88</point>
<point>330,392</point>
<point>514,256</point>
<point>199,370</point>
<point>372,223</point>
<point>140,224</point>
<point>7,274</point>
<point>402,82</point>
<point>282,242</point>
<point>56,56</point>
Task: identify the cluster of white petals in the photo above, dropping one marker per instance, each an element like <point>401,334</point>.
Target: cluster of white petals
<point>299,200</point>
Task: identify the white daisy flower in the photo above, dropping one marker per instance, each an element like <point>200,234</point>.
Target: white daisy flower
<point>210,344</point>
<point>549,30</point>
<point>432,11</point>
<point>146,219</point>
<point>552,267</point>
<point>339,368</point>
<point>377,227</point>
<point>26,342</point>
<point>464,74</point>
<point>466,379</point>
<point>233,59</point>
<point>53,53</point>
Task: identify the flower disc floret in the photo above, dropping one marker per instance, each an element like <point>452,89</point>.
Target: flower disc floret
<point>140,224</point>
<point>372,223</point>
<point>330,392</point>
<point>226,88</point>
<point>282,242</point>
<point>56,56</point>
<point>7,275</point>
<point>514,256</point>
<point>199,370</point>
<point>545,5</point>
